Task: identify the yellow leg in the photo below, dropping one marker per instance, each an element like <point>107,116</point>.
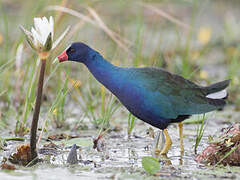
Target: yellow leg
<point>180,126</point>
<point>168,143</point>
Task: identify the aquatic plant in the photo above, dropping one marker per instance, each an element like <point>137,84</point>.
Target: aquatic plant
<point>41,40</point>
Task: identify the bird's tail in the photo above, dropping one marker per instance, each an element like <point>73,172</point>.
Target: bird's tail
<point>216,93</point>
<point>217,87</point>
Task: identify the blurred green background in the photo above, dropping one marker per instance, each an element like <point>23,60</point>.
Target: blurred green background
<point>196,39</point>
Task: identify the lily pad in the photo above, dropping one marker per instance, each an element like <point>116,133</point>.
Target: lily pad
<point>150,164</point>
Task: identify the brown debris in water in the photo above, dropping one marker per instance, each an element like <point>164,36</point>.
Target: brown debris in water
<point>58,137</point>
<point>50,149</point>
<point>219,147</point>
<point>22,156</point>
<point>7,166</point>
<point>99,144</point>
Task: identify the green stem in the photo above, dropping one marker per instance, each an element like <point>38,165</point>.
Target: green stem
<point>33,134</point>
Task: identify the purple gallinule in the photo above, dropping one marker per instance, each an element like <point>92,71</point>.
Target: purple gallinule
<point>152,94</point>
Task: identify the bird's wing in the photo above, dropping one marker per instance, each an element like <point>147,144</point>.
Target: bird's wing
<point>184,97</point>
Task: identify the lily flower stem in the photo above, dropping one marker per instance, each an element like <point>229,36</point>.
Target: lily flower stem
<point>33,133</point>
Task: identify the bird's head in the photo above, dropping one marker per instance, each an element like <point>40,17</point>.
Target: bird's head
<point>77,51</point>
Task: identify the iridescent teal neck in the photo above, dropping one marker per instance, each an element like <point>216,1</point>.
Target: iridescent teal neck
<point>102,70</point>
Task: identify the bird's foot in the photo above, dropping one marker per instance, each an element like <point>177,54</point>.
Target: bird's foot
<point>157,151</point>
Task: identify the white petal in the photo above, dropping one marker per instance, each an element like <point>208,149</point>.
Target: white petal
<point>45,21</point>
<point>37,24</point>
<point>48,27</point>
<point>218,95</point>
<point>36,37</point>
<point>43,28</point>
<point>51,25</point>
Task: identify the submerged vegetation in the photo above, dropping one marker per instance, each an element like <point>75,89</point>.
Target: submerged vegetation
<point>197,40</point>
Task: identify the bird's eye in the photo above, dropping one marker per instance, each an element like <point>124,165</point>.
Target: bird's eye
<point>71,50</point>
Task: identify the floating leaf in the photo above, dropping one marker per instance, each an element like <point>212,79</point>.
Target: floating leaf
<point>150,164</point>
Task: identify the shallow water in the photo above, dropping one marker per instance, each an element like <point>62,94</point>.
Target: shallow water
<point>121,158</point>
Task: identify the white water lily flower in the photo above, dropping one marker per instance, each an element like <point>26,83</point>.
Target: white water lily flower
<point>41,36</point>
<point>43,28</point>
